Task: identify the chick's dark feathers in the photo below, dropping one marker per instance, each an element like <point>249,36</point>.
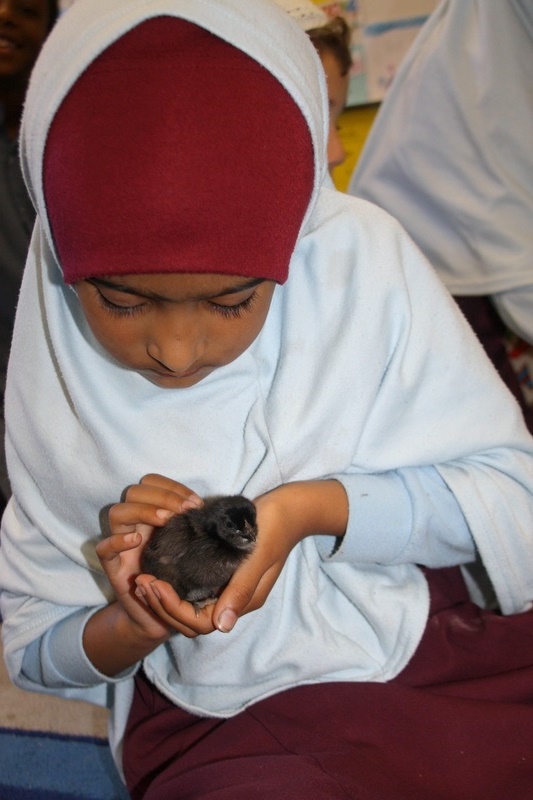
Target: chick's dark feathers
<point>198,551</point>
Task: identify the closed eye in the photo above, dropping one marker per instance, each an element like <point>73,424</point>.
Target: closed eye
<point>118,309</point>
<point>234,311</point>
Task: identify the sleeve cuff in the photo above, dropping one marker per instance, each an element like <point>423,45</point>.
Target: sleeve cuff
<point>60,659</point>
<point>379,521</point>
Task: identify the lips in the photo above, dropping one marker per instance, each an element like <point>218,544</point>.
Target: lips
<point>8,44</point>
<point>175,379</point>
<point>178,375</point>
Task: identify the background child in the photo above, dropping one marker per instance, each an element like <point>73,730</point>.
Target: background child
<point>331,38</point>
<point>23,28</point>
<point>200,310</point>
<point>443,157</point>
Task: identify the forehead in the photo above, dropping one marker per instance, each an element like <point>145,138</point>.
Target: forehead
<point>181,286</point>
<point>332,66</point>
<point>42,7</point>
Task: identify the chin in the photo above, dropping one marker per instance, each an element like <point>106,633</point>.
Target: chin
<point>170,381</point>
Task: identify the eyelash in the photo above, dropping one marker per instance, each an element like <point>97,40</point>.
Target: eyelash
<point>228,312</point>
<point>234,312</point>
<point>119,311</point>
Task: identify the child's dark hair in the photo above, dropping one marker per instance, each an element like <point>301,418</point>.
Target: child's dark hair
<point>53,13</point>
<point>335,37</point>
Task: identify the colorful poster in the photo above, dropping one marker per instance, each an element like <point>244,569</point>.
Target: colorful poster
<point>382,32</point>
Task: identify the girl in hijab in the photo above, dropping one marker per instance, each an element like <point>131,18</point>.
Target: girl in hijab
<point>201,315</point>
<point>331,38</point>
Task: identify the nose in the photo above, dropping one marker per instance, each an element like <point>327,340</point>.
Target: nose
<point>6,10</point>
<point>176,343</point>
<point>336,151</point>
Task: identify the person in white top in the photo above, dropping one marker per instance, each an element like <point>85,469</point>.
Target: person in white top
<point>200,315</point>
<point>449,155</point>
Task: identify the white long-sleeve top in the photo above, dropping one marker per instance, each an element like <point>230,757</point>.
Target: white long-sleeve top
<point>449,154</point>
<point>364,370</point>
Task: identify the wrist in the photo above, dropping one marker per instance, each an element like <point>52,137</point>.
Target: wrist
<point>114,642</point>
<point>314,507</point>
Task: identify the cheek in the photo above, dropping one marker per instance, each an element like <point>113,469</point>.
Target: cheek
<point>229,339</point>
<point>36,36</point>
<point>255,325</point>
<point>121,341</point>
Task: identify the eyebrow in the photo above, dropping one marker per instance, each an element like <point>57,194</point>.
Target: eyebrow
<point>119,287</point>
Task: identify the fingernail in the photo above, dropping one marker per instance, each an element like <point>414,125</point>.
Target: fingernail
<point>163,514</point>
<point>193,501</point>
<point>226,620</point>
<point>140,593</point>
<point>155,590</point>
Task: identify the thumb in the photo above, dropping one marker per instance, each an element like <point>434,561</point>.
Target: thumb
<point>233,602</point>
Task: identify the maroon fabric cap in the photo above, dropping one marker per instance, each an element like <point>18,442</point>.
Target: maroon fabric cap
<point>176,152</point>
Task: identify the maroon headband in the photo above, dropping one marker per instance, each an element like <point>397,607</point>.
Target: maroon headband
<point>176,152</point>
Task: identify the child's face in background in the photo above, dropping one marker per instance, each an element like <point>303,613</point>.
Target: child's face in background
<point>23,28</point>
<point>337,84</point>
<point>175,329</point>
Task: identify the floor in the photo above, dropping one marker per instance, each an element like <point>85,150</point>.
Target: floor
<point>32,711</point>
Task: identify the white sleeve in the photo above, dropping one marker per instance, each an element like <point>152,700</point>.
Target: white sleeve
<point>57,660</point>
<point>406,516</point>
<point>441,156</point>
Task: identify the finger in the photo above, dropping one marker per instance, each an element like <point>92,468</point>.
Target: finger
<point>179,614</point>
<point>124,517</point>
<point>246,591</point>
<point>264,587</point>
<point>234,601</point>
<point>157,496</point>
<point>110,548</point>
<point>162,482</point>
<point>164,503</point>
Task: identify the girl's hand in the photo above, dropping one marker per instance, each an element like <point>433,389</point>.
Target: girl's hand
<point>285,516</point>
<point>280,529</point>
<point>147,505</point>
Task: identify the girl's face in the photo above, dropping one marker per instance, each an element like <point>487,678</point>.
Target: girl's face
<point>175,329</point>
<point>23,28</point>
<point>337,84</point>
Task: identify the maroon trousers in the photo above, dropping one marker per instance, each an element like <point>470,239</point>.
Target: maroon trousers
<point>456,724</point>
<point>490,330</point>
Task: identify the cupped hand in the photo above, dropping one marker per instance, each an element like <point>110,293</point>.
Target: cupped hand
<point>251,583</point>
<point>285,516</point>
<point>279,530</point>
<point>146,505</point>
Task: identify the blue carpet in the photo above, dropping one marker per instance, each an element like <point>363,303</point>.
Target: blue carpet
<point>50,766</point>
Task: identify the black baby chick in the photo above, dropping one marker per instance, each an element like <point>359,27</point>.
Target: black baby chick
<point>198,551</point>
